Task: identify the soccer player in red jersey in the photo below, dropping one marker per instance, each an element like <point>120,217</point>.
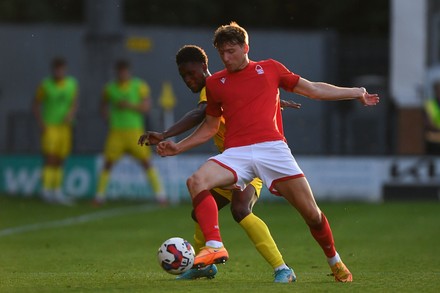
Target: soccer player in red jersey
<point>192,63</point>
<point>246,94</point>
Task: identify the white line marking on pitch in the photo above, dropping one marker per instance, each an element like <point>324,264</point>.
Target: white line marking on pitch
<point>77,220</point>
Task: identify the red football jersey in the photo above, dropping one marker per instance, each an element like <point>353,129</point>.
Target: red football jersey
<point>249,100</point>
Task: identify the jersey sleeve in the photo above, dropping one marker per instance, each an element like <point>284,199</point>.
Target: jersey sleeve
<point>144,90</point>
<point>287,79</point>
<point>203,98</point>
<point>213,107</point>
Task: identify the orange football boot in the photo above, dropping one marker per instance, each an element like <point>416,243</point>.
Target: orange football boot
<point>341,273</point>
<point>210,255</point>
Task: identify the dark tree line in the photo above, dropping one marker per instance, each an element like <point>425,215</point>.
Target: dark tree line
<point>346,16</point>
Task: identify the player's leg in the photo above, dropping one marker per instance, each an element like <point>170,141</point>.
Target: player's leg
<point>56,145</point>
<point>48,177</point>
<point>154,178</point>
<point>143,154</point>
<point>58,175</point>
<point>257,230</point>
<point>113,150</point>
<point>103,180</point>
<point>209,175</point>
<point>47,147</point>
<point>63,149</point>
<point>222,198</point>
<point>285,178</point>
<point>58,163</point>
<point>298,193</point>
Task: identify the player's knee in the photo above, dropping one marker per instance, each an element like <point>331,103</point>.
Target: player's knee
<point>190,183</point>
<point>314,219</point>
<point>195,184</point>
<point>240,211</point>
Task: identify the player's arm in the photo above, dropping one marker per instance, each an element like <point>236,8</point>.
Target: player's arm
<point>104,104</point>
<point>202,134</point>
<point>289,104</point>
<point>73,110</point>
<point>36,107</point>
<point>327,92</point>
<point>190,120</point>
<point>142,107</point>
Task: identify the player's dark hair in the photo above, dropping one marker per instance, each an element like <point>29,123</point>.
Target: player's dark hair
<point>191,53</point>
<point>58,62</point>
<point>230,34</point>
<point>122,64</point>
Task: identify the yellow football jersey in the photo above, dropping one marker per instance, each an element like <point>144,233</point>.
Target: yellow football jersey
<point>219,138</point>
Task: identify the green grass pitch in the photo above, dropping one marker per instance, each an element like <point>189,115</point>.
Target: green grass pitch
<point>392,247</point>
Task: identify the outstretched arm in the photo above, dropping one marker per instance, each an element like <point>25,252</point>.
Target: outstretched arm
<point>203,133</point>
<point>188,121</point>
<point>327,92</point>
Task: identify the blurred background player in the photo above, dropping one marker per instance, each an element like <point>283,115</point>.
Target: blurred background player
<point>432,113</point>
<point>192,63</point>
<point>54,107</point>
<point>124,103</point>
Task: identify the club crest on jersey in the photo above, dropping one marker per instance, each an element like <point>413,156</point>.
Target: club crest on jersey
<point>259,69</point>
<point>223,79</point>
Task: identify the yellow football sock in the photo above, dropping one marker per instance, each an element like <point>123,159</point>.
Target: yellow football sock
<point>260,235</point>
<point>199,239</point>
<point>48,178</point>
<point>58,177</point>
<point>154,178</point>
<point>102,183</point>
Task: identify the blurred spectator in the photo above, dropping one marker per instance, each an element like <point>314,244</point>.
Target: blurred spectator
<point>432,110</point>
<point>54,107</point>
<point>124,103</point>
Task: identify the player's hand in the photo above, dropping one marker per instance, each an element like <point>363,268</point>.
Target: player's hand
<point>144,139</point>
<point>369,99</point>
<point>150,138</point>
<point>289,104</point>
<point>155,137</point>
<point>167,148</point>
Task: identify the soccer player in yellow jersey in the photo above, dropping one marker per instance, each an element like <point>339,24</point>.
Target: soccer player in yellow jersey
<point>124,103</point>
<point>54,107</point>
<point>192,63</point>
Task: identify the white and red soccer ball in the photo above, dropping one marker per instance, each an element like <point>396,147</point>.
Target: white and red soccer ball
<point>176,256</point>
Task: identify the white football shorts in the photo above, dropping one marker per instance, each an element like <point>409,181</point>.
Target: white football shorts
<point>271,161</point>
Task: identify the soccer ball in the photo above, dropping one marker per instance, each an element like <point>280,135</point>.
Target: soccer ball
<point>176,255</point>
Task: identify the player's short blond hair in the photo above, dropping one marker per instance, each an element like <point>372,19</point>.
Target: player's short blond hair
<point>230,34</point>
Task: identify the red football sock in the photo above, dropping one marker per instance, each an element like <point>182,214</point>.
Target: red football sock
<point>324,236</point>
<point>205,209</point>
